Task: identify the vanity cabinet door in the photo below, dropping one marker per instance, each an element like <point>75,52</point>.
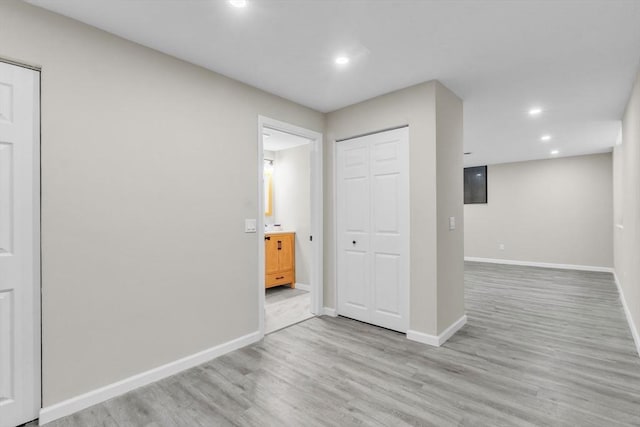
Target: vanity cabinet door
<point>280,259</point>
<point>284,248</point>
<point>271,255</point>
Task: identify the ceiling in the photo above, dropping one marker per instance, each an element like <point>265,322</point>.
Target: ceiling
<point>574,59</point>
<point>275,140</point>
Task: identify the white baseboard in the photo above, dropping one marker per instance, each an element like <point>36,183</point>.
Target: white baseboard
<point>303,286</point>
<point>423,338</point>
<point>78,403</point>
<point>328,311</point>
<point>437,340</point>
<point>632,325</point>
<point>541,264</point>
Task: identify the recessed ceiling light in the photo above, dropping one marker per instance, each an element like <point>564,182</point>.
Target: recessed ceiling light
<point>342,60</point>
<point>535,111</point>
<point>545,138</point>
<point>238,3</point>
<point>554,152</point>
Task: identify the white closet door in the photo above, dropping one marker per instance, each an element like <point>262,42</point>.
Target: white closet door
<point>19,248</point>
<point>389,153</point>
<point>354,230</point>
<point>373,228</point>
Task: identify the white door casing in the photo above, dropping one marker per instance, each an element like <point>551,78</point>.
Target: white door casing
<point>19,245</point>
<point>373,228</point>
<point>317,223</point>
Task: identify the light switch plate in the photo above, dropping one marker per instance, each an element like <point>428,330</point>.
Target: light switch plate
<point>249,225</point>
<point>452,223</point>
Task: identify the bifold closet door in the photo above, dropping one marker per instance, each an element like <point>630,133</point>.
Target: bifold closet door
<point>373,228</point>
<point>19,245</point>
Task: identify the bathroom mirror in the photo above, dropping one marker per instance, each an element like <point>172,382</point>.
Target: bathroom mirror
<point>268,189</point>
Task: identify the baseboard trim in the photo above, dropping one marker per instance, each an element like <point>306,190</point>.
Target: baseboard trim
<point>423,338</point>
<point>627,312</point>
<point>328,311</point>
<point>437,340</point>
<point>83,401</point>
<point>303,286</point>
<point>541,264</point>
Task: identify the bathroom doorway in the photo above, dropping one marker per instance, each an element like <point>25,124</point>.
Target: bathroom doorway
<point>289,225</point>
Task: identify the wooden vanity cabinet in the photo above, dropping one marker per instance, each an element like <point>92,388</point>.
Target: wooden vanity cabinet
<point>280,259</point>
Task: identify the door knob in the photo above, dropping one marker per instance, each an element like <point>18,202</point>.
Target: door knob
<point>354,242</point>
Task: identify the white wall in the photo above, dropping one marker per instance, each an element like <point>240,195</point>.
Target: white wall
<point>627,215</point>
<point>556,211</point>
<point>292,198</point>
<point>148,171</point>
<point>434,116</point>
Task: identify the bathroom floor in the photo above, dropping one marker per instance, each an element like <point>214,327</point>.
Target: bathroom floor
<point>285,306</point>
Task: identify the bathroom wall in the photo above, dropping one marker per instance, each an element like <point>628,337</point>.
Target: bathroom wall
<point>292,202</point>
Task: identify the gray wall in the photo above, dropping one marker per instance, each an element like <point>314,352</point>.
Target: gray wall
<point>550,211</point>
<point>435,162</point>
<point>148,171</point>
<point>627,215</point>
<point>292,198</point>
<point>449,145</point>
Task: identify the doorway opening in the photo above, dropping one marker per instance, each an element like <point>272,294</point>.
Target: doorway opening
<point>289,224</point>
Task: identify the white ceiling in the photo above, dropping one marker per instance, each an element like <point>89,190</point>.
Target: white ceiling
<point>274,140</point>
<point>575,59</point>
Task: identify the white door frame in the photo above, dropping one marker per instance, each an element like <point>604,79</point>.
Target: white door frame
<point>316,213</point>
<point>37,243</point>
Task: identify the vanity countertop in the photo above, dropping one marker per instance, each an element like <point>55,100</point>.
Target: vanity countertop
<point>279,232</point>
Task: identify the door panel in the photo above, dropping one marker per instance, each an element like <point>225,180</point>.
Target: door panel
<point>6,197</point>
<point>390,233</point>
<point>285,252</point>
<point>271,255</point>
<point>19,246</point>
<point>7,349</point>
<point>356,298</point>
<point>373,228</point>
<point>357,213</point>
<point>386,191</point>
<point>387,284</point>
<point>353,226</point>
<point>355,160</point>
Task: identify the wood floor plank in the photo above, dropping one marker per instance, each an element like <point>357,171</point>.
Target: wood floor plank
<point>542,347</point>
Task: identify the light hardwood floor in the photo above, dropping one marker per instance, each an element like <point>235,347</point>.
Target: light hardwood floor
<point>541,347</point>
